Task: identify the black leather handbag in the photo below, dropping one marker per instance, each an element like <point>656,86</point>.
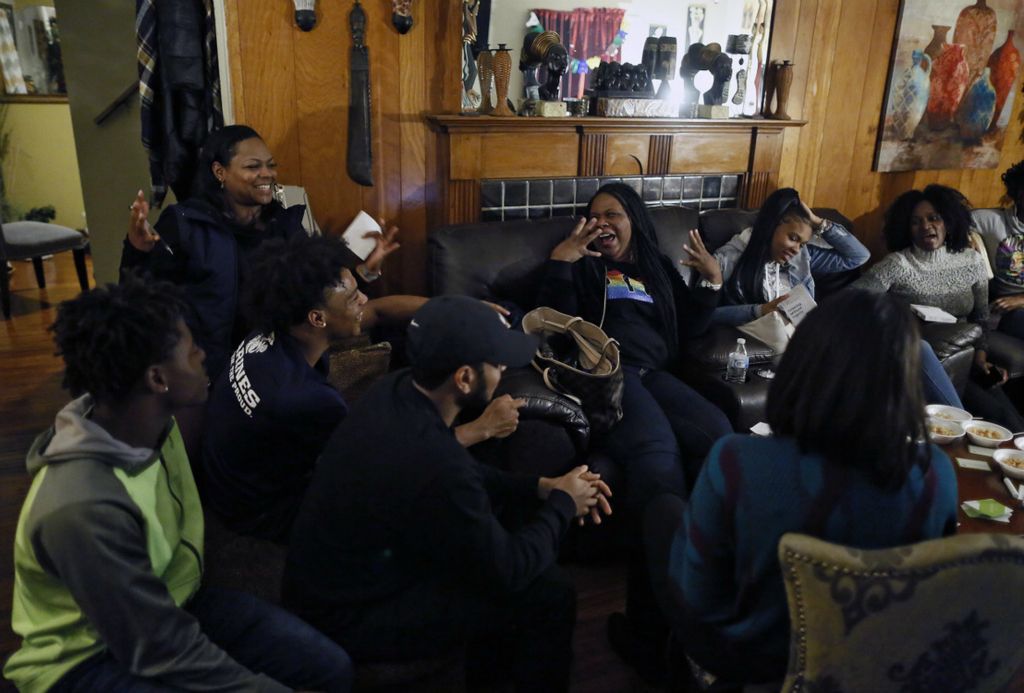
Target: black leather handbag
<point>578,360</point>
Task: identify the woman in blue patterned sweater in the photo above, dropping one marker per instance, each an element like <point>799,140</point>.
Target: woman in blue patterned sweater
<point>848,462</point>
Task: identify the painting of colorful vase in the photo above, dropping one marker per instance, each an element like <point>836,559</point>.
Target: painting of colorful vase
<point>950,87</point>
<point>910,96</point>
<point>977,107</point>
<point>976,32</point>
<point>1004,64</point>
<point>950,74</point>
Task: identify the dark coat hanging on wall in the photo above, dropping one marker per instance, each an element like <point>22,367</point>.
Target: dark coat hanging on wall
<point>179,88</point>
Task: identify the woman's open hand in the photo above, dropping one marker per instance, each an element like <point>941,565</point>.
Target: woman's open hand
<point>1008,303</point>
<point>701,260</point>
<point>816,221</point>
<point>387,243</point>
<point>772,306</point>
<point>140,234</point>
<point>575,245</point>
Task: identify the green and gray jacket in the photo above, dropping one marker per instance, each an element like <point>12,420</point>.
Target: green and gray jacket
<point>108,548</point>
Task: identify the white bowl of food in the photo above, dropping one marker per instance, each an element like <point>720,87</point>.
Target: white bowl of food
<point>1011,462</point>
<point>986,433</point>
<point>942,411</point>
<point>944,431</point>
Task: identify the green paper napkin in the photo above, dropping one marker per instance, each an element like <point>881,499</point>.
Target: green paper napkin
<point>988,508</point>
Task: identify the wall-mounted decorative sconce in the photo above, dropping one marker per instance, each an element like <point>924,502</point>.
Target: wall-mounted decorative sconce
<point>305,14</point>
<point>401,15</point>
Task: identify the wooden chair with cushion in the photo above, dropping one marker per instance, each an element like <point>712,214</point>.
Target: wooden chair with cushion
<point>31,240</point>
<point>941,615</point>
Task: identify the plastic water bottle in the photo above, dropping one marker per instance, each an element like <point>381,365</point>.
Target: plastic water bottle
<point>736,371</point>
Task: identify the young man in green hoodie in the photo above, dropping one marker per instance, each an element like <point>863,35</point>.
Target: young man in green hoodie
<point>109,546</point>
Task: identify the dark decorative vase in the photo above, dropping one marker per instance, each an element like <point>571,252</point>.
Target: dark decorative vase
<point>938,42</point>
<point>783,81</point>
<point>950,76</point>
<point>769,88</point>
<point>976,30</point>
<point>1004,64</point>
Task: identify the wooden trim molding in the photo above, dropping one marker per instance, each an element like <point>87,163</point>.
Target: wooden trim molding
<point>478,148</point>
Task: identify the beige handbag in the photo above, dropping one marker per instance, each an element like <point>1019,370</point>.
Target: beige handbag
<point>577,359</point>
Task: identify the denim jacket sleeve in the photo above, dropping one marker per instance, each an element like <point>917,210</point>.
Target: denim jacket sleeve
<point>846,252</point>
<point>735,315</point>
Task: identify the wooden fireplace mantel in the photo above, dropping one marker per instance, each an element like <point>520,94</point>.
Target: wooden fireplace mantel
<point>475,148</point>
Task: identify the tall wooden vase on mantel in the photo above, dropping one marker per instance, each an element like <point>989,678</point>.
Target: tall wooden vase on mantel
<point>485,68</point>
<point>502,74</point>
<point>783,82</point>
<point>976,31</point>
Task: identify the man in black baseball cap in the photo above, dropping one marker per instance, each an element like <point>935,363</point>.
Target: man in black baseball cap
<point>398,553</point>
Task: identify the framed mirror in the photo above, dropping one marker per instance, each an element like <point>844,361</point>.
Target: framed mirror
<point>31,66</point>
<point>596,31</point>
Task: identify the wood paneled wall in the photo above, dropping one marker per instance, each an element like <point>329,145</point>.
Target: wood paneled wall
<point>841,51</point>
<point>293,87</point>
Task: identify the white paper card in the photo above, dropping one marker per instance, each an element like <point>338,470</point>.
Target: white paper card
<point>761,429</point>
<point>978,450</point>
<point>931,313</point>
<point>798,304</point>
<point>973,464</point>
<point>360,226</point>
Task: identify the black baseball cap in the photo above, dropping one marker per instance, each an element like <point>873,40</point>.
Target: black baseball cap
<point>452,331</point>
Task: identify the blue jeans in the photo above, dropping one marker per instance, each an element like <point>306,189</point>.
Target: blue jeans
<point>260,636</point>
<point>665,424</point>
<point>938,388</point>
<point>1012,323</point>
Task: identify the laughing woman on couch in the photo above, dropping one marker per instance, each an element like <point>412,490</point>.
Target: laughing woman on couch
<point>610,271</point>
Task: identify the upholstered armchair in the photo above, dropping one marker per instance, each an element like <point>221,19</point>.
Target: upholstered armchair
<point>945,614</point>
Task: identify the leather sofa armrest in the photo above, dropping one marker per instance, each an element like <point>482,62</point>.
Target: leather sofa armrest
<point>948,339</point>
<point>711,350</point>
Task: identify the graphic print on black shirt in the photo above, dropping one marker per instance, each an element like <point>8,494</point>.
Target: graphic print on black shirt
<point>631,318</point>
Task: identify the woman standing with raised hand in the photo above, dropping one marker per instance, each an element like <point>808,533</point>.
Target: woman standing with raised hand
<point>203,243</point>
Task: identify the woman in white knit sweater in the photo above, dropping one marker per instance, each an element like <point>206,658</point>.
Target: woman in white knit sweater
<point>932,263</point>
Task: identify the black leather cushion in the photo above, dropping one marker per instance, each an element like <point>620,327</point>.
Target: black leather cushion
<point>1006,351</point>
<point>718,226</point>
<point>711,350</point>
<point>950,338</point>
<point>501,260</point>
<point>673,224</point>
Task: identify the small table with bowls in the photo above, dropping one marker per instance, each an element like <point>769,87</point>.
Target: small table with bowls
<point>977,484</point>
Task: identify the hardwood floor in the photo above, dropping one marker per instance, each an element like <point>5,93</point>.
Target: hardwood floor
<point>30,395</point>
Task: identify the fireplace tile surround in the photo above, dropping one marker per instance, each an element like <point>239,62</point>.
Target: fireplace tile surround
<point>541,198</point>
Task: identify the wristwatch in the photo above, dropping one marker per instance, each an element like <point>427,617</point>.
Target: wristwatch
<point>705,284</point>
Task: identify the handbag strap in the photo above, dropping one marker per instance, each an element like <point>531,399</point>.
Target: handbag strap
<point>545,375</point>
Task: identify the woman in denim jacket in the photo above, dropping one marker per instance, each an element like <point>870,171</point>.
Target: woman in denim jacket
<point>761,265</point>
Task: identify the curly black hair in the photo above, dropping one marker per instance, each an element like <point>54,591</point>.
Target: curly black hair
<point>109,336</point>
<point>951,205</point>
<point>293,278</point>
<point>1013,179</point>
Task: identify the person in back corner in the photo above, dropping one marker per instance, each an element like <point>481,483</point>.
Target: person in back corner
<point>272,410</point>
<point>932,262</point>
<point>108,552</point>
<point>848,461</point>
<point>398,552</point>
<point>1003,234</point>
<point>611,271</point>
<point>787,243</point>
